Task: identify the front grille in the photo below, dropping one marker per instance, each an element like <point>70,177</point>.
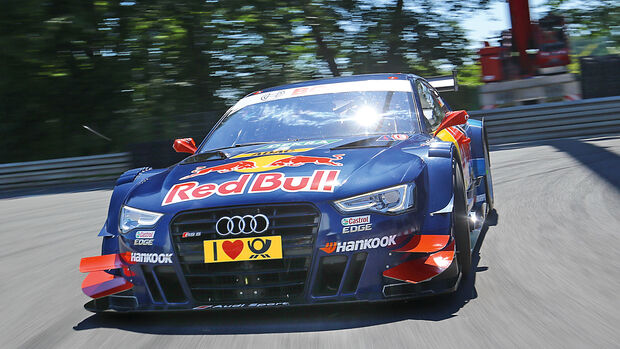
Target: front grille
<point>247,281</point>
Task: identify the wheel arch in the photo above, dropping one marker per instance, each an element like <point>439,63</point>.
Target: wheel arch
<point>124,184</point>
<point>440,173</point>
<point>476,131</point>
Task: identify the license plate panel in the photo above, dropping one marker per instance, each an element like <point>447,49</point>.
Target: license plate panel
<point>243,249</point>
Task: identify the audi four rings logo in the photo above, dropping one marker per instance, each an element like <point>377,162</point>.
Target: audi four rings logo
<point>247,224</point>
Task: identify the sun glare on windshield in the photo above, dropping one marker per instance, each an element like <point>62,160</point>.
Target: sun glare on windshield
<point>367,116</point>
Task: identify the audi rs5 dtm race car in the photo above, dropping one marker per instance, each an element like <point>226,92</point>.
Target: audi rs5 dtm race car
<point>360,188</point>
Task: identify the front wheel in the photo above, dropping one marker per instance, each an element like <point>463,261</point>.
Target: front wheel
<point>460,222</point>
<point>488,180</point>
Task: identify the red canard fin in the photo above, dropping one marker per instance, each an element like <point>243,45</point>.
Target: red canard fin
<point>100,284</point>
<point>423,268</point>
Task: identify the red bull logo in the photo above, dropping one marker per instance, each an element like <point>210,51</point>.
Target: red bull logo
<point>321,181</point>
<point>299,160</point>
<point>267,163</point>
<point>225,168</point>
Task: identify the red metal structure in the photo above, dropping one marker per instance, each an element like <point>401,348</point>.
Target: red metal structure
<point>521,32</point>
<point>529,65</point>
<point>539,45</point>
<point>551,42</point>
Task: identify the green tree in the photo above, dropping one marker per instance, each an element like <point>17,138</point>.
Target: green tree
<point>133,71</point>
<point>592,19</point>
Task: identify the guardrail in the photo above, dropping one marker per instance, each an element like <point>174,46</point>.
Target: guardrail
<point>551,120</point>
<point>506,125</point>
<point>63,171</point>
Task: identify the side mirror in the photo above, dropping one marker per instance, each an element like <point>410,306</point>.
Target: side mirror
<point>452,118</point>
<point>184,145</point>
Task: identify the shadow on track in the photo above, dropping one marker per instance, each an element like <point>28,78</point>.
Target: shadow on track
<point>603,162</point>
<point>324,317</point>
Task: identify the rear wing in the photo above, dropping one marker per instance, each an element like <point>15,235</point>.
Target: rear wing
<point>444,83</point>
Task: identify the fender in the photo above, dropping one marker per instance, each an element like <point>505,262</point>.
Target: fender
<point>123,186</point>
<point>476,132</point>
<point>439,178</point>
<point>442,149</point>
<point>130,175</point>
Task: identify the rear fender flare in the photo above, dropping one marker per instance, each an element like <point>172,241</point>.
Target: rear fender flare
<point>476,133</point>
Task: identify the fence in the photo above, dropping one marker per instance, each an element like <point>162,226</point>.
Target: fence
<point>552,120</point>
<point>63,171</point>
<point>507,125</point>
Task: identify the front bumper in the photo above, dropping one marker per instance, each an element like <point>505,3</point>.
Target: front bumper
<point>127,303</point>
<point>445,283</point>
<point>389,261</point>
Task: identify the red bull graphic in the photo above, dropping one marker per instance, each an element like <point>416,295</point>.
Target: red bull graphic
<point>458,137</point>
<point>299,160</point>
<point>320,181</point>
<point>267,163</point>
<point>232,166</point>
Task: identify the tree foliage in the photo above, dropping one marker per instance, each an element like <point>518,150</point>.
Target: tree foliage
<point>133,70</point>
<point>592,19</point>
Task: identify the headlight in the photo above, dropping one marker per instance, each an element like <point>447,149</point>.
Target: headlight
<point>132,218</point>
<point>391,200</point>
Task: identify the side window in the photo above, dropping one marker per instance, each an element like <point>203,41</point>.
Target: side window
<point>432,107</point>
<point>439,101</point>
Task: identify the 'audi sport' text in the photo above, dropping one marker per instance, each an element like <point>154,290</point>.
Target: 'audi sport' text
<point>240,305</point>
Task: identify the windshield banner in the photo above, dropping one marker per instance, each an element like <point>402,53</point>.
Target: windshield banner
<point>352,86</point>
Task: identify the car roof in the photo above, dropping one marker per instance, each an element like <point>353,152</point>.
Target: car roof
<point>361,77</point>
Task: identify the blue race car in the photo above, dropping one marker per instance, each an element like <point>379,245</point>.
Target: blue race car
<point>359,188</point>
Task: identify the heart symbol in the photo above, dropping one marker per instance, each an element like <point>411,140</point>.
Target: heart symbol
<point>232,248</point>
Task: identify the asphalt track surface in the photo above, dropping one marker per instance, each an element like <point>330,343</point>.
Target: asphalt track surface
<point>547,273</point>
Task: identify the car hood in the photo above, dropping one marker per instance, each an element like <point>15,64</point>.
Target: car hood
<point>284,172</point>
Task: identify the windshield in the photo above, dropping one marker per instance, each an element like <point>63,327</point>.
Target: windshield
<point>315,116</point>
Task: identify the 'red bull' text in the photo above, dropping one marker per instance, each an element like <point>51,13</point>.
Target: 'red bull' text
<point>320,181</point>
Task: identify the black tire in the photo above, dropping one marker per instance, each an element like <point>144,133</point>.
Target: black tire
<point>488,179</point>
<point>460,221</point>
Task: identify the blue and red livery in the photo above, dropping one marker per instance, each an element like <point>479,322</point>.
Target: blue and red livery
<point>360,188</point>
